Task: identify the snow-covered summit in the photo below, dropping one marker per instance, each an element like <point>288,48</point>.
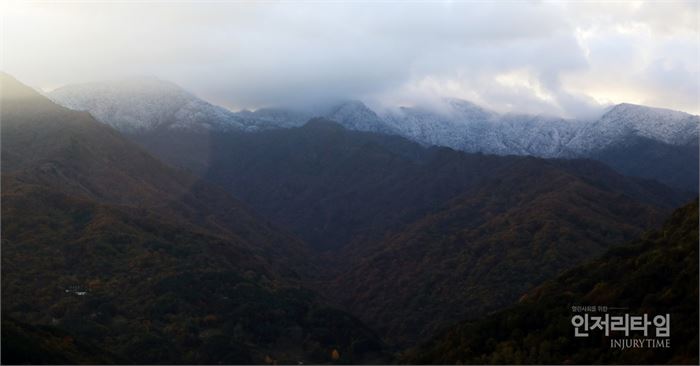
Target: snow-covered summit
<point>627,120</point>
<point>542,136</point>
<point>427,126</point>
<point>141,104</point>
<point>355,115</point>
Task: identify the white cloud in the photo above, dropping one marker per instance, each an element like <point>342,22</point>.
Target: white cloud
<point>555,58</point>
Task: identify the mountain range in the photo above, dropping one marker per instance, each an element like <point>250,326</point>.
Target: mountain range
<point>658,135</point>
<point>159,228</point>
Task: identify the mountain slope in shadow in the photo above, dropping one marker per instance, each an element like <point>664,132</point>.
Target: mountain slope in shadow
<point>655,274</point>
<point>107,244</point>
<point>463,234</point>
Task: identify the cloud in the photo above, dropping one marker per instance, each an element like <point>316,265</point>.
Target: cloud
<point>566,59</point>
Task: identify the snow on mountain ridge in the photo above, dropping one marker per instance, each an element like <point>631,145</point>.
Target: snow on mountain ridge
<point>134,105</point>
<point>465,126</point>
<point>427,127</point>
<point>355,115</point>
<point>625,120</point>
<point>660,124</point>
<point>537,135</point>
<point>137,105</point>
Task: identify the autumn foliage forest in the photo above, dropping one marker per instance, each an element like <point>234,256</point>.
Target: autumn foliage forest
<point>317,244</point>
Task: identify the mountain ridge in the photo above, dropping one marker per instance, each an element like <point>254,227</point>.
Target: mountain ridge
<point>465,111</point>
<point>456,123</point>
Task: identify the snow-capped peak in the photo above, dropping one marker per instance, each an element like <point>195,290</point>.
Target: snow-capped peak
<point>625,120</point>
<point>140,104</point>
<point>355,115</point>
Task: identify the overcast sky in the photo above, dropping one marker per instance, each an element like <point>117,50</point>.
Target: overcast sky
<point>564,58</point>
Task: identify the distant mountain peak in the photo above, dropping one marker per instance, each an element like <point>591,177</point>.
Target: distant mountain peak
<point>628,121</point>
<point>354,108</point>
<point>355,115</point>
<point>144,104</point>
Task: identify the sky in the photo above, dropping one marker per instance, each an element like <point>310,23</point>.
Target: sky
<point>568,59</point>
